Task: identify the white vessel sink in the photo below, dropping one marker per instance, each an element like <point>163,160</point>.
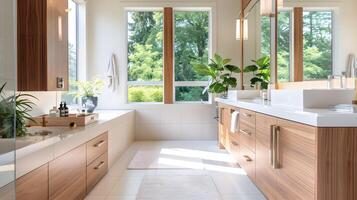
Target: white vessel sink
<point>243,94</point>
<point>312,98</point>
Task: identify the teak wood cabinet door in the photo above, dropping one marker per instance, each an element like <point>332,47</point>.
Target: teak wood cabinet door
<point>42,39</point>
<point>67,175</point>
<point>296,160</point>
<point>33,185</point>
<point>266,178</point>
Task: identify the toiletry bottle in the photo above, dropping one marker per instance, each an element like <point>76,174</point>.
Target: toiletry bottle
<point>61,110</point>
<point>66,110</point>
<point>53,112</point>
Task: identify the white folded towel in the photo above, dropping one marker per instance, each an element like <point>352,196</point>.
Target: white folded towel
<point>351,66</point>
<point>234,121</point>
<point>112,75</point>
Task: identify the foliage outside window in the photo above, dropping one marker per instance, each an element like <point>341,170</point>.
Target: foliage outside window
<point>145,56</point>
<point>283,45</point>
<point>191,47</point>
<point>317,44</point>
<point>72,51</point>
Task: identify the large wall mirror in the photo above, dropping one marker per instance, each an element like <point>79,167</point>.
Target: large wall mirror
<point>315,39</point>
<point>257,36</point>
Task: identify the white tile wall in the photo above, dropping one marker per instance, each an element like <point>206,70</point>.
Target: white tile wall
<point>176,122</point>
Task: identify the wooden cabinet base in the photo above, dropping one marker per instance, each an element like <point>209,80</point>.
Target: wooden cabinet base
<point>33,185</point>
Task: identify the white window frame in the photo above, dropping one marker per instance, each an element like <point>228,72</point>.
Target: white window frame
<point>210,53</point>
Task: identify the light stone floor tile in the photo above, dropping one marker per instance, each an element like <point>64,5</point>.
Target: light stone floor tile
<point>221,178</point>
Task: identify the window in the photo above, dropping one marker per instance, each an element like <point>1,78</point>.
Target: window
<point>265,36</point>
<point>284,45</point>
<point>145,56</point>
<point>191,36</point>
<point>317,44</point>
<point>72,50</point>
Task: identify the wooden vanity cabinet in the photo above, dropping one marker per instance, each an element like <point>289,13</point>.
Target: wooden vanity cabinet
<point>67,175</point>
<point>33,185</point>
<point>42,39</point>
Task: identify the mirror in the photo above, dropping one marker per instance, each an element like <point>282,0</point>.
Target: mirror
<point>256,39</point>
<point>315,39</point>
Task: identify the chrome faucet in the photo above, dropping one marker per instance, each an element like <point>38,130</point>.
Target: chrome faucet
<point>331,79</point>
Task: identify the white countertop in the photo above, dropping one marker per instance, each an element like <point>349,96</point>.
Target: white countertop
<point>31,144</point>
<point>313,117</point>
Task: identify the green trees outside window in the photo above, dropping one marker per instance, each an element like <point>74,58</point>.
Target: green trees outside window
<point>145,55</point>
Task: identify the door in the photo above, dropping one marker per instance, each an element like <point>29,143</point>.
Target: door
<point>265,173</point>
<point>296,160</point>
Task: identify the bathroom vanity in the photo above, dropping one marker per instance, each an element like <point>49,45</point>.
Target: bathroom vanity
<point>292,153</point>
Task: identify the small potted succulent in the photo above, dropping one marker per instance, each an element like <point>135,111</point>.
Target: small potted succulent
<point>221,74</point>
<point>88,92</point>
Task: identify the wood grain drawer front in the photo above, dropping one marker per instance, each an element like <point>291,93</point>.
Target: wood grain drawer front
<point>296,160</point>
<point>97,147</point>
<point>33,185</point>
<point>266,178</point>
<point>247,117</point>
<point>96,170</point>
<point>234,147</point>
<point>246,160</point>
<point>247,135</point>
<point>67,175</point>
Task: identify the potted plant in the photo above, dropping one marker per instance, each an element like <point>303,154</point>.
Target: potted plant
<point>88,91</point>
<point>14,111</point>
<point>221,74</point>
<point>261,72</point>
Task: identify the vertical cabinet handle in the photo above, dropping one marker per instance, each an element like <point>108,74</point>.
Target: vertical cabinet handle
<point>274,146</point>
<point>220,115</point>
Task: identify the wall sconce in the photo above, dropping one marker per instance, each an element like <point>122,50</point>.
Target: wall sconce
<point>266,8</point>
<point>245,29</point>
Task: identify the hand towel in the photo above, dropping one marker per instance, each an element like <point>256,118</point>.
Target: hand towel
<point>112,75</point>
<point>351,66</point>
<point>234,121</point>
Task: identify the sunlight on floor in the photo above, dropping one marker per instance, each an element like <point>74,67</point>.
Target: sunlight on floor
<point>198,154</point>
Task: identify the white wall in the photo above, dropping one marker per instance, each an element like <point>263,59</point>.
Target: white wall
<point>106,34</point>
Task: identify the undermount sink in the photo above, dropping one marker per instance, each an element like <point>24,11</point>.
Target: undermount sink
<point>312,98</point>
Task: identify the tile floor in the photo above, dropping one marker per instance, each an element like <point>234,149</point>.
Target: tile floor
<point>216,178</point>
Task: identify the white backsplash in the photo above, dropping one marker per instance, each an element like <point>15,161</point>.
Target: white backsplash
<point>44,102</point>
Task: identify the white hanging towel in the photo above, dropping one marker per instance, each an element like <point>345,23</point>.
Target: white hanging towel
<point>112,75</point>
<point>351,66</point>
<point>234,121</point>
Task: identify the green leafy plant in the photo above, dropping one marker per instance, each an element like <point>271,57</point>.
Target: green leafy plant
<point>220,72</point>
<point>261,72</point>
<point>88,88</point>
<point>9,117</point>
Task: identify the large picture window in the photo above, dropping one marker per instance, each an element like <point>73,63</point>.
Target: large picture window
<point>317,44</point>
<point>191,46</point>
<point>191,35</point>
<point>145,56</point>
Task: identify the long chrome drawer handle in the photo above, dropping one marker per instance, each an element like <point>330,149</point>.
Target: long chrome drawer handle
<point>244,132</point>
<point>234,143</point>
<point>101,164</point>
<point>99,144</point>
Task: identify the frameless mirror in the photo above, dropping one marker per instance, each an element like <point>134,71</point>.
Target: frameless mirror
<point>256,38</point>
<point>316,39</point>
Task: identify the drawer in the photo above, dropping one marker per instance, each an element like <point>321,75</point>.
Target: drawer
<point>96,170</point>
<point>247,135</point>
<point>234,147</point>
<point>247,117</point>
<point>97,147</point>
<point>246,160</point>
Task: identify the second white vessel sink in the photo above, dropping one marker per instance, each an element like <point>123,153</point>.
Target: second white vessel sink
<point>312,98</point>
